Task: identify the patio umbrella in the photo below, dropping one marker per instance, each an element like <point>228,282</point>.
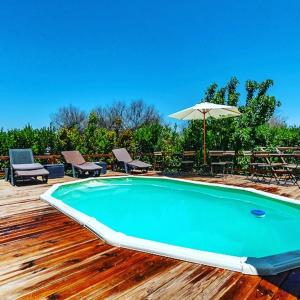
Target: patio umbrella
<point>204,110</point>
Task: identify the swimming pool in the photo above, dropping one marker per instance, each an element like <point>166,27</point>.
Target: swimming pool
<point>203,223</point>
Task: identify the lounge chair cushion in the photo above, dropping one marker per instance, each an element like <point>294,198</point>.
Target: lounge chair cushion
<point>122,155</point>
<point>27,167</point>
<point>32,173</point>
<point>138,164</point>
<point>88,166</point>
<point>73,157</point>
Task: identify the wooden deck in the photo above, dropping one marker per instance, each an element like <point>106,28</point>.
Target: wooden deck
<point>45,254</point>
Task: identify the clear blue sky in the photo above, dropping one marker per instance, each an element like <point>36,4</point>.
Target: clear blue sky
<point>90,53</point>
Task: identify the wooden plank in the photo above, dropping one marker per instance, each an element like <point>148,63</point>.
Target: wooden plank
<point>70,283</point>
<point>268,287</point>
<point>13,228</point>
<point>24,247</point>
<point>172,288</point>
<point>20,258</point>
<point>210,288</point>
<point>203,284</point>
<point>224,286</point>
<point>33,215</point>
<point>130,276</point>
<point>242,289</point>
<point>72,256</point>
<point>49,269</point>
<point>148,287</point>
<point>283,295</point>
<point>34,229</point>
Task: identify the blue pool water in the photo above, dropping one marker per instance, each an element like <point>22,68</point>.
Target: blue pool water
<point>201,217</point>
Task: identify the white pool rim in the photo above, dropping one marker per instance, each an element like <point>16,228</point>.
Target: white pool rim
<point>234,263</point>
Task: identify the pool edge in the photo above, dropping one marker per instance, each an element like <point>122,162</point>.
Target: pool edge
<point>233,263</point>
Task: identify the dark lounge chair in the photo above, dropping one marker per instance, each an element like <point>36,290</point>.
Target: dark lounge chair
<point>124,159</point>
<point>22,165</point>
<point>79,165</point>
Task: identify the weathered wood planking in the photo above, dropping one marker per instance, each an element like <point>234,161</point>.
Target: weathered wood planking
<point>45,254</point>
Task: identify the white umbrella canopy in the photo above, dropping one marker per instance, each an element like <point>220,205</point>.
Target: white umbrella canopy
<point>204,110</point>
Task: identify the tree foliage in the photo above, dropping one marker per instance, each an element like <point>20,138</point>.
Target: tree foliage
<point>235,133</point>
<point>120,115</point>
<point>69,117</point>
<point>138,127</point>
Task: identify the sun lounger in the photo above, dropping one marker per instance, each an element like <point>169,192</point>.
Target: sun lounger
<point>124,159</point>
<point>79,165</point>
<point>23,166</point>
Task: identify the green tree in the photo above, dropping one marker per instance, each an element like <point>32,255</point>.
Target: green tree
<point>233,96</point>
<point>210,93</point>
<point>70,139</point>
<point>69,117</point>
<point>90,132</point>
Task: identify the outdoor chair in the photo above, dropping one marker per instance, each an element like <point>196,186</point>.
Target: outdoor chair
<point>293,169</point>
<point>260,168</point>
<point>188,160</point>
<point>218,166</point>
<point>229,157</point>
<point>268,170</point>
<point>286,173</point>
<point>282,151</point>
<point>22,166</point>
<point>124,160</point>
<point>294,160</point>
<point>79,165</point>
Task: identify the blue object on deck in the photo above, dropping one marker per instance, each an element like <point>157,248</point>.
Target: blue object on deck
<point>55,170</point>
<point>103,165</point>
<point>258,213</point>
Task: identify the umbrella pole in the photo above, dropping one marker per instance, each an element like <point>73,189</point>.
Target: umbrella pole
<point>204,138</point>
